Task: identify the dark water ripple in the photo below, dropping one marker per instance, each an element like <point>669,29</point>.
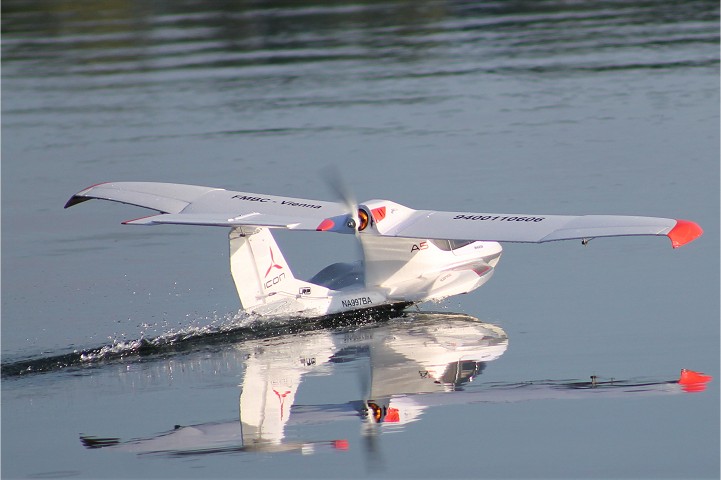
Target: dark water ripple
<point>191,340</point>
<point>95,39</point>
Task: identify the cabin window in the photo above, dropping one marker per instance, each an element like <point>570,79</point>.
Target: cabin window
<point>456,244</point>
<point>444,245</point>
<point>448,245</point>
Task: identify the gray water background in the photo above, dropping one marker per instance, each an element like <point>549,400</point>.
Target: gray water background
<point>533,107</point>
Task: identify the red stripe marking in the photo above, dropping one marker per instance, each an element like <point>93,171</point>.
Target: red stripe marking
<point>326,224</point>
<point>378,213</point>
<point>91,187</point>
<point>96,185</point>
<point>136,219</point>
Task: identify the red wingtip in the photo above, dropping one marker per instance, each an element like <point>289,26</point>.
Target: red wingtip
<point>326,224</point>
<point>340,444</point>
<point>684,232</point>
<point>694,381</point>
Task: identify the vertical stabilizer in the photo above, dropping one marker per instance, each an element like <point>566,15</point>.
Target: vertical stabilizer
<point>262,276</point>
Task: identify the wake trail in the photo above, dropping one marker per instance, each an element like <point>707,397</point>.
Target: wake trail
<point>238,329</point>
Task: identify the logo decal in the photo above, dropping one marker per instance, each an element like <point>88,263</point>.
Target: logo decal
<point>417,247</point>
<point>272,264</point>
<point>281,398</point>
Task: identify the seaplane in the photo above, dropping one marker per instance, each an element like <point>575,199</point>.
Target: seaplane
<point>408,256</point>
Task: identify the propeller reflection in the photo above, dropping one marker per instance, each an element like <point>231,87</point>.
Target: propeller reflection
<point>407,366</point>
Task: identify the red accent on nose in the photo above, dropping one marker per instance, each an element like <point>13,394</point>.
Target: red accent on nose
<point>684,232</point>
<point>480,271</point>
<point>392,416</point>
<point>326,224</point>
<point>379,213</point>
<point>694,381</point>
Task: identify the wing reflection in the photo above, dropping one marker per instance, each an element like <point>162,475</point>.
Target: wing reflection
<point>405,367</point>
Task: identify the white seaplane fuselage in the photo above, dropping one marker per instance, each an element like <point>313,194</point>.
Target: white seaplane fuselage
<point>394,272</point>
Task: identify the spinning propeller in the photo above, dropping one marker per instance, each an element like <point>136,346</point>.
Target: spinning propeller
<point>356,219</point>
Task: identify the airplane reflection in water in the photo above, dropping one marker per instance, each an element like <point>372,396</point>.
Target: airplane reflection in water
<point>410,365</point>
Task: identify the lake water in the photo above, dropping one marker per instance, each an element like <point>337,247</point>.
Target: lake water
<point>538,107</point>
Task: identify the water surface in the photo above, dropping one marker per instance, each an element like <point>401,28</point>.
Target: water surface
<point>538,107</point>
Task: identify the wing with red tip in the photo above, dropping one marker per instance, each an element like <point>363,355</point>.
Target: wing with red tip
<point>692,381</point>
<point>502,227</point>
<point>399,221</point>
<point>197,205</point>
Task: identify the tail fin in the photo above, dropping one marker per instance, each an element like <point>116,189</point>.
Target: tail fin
<point>260,270</point>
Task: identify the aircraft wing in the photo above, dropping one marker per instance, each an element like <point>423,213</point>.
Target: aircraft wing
<point>196,205</point>
<point>537,228</point>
